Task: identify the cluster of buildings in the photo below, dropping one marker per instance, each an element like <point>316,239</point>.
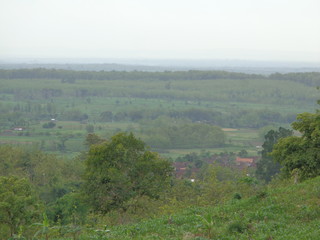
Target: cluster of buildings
<point>187,169</point>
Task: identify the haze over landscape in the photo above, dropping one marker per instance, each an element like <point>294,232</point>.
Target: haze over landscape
<point>172,119</point>
<point>275,30</point>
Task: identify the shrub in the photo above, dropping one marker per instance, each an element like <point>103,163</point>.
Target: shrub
<point>49,125</point>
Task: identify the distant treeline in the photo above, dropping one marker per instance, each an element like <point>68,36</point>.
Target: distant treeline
<point>24,114</point>
<point>308,78</point>
<point>123,75</point>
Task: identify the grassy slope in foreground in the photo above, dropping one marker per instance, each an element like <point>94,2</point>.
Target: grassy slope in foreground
<point>286,212</point>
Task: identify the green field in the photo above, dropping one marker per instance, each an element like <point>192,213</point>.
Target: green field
<point>132,101</point>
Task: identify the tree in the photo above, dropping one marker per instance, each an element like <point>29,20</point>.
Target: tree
<point>301,154</point>
<point>49,125</point>
<point>267,167</point>
<point>71,208</point>
<point>106,116</point>
<point>168,133</point>
<point>93,139</point>
<point>48,174</point>
<point>90,128</point>
<point>243,153</point>
<point>17,204</point>
<point>122,169</point>
<point>62,142</point>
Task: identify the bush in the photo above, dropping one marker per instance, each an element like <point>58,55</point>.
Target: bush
<point>237,227</point>
<point>49,125</point>
<point>237,196</point>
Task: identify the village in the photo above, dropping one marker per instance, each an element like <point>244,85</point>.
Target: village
<point>190,165</point>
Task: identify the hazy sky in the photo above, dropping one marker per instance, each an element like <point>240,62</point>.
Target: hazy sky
<point>217,29</point>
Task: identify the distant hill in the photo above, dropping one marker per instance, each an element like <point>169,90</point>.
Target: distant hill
<point>159,65</point>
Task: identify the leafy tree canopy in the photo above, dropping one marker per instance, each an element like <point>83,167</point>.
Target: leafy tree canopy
<point>121,169</point>
<point>267,167</point>
<point>17,203</point>
<point>301,154</point>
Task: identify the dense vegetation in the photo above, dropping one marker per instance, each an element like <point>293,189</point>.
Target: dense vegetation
<point>107,184</point>
<point>116,181</point>
<point>276,212</point>
<point>267,167</point>
<point>122,169</point>
<point>300,154</point>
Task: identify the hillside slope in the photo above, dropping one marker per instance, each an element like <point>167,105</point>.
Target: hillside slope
<point>283,212</point>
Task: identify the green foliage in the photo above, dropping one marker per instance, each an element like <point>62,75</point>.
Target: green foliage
<point>128,183</point>
<point>300,156</point>
<point>262,194</point>
<point>18,205</point>
<point>74,115</point>
<point>220,183</point>
<point>70,208</point>
<point>45,228</point>
<point>267,167</point>
<point>237,227</point>
<point>170,133</point>
<point>237,196</point>
<point>112,101</point>
<point>287,212</point>
<point>243,153</point>
<point>49,125</point>
<point>121,169</point>
<point>93,139</point>
<point>90,128</point>
<point>50,176</point>
<point>116,75</point>
<point>69,76</point>
<point>106,116</point>
<point>208,225</point>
